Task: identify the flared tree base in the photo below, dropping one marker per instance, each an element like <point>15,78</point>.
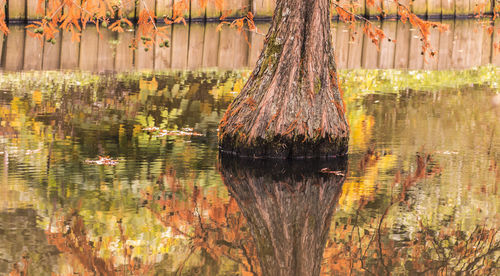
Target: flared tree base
<point>280,147</point>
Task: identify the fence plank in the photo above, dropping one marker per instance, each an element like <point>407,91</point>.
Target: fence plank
<point>402,46</point>
<point>369,59</point>
<point>389,7</point>
<point>419,7</point>
<point>447,8</point>
<point>51,54</point>
<point>105,50</point>
<point>70,52</point>
<point>388,48</point>
<point>355,48</point>
<point>495,59</point>
<point>445,46</point>
<point>124,56</point>
<point>431,62</point>
<point>163,55</point>
<point>32,9</point>
<point>180,38</point>
<point>342,45</point>
<point>374,10</point>
<point>14,48</point>
<point>461,7</point>
<point>33,50</point>
<point>257,44</point>
<point>196,40</point>
<point>415,59</point>
<point>486,47</point>
<point>263,8</point>
<point>89,44</point>
<point>163,9</point>
<point>434,8</point>
<point>211,45</point>
<point>17,10</point>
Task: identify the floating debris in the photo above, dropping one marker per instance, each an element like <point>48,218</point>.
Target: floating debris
<point>103,160</point>
<point>163,132</point>
<point>327,170</point>
<point>447,152</point>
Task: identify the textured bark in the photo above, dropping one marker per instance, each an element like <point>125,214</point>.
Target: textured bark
<point>288,208</point>
<point>291,105</point>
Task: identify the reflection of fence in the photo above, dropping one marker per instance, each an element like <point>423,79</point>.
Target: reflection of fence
<point>195,46</point>
<point>20,10</point>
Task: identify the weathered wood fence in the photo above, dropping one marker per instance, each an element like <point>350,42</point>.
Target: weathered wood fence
<point>198,46</point>
<point>25,10</point>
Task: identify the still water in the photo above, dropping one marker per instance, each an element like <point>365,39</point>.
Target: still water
<point>417,193</point>
<point>119,173</point>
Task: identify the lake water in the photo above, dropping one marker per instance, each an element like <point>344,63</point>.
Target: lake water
<point>418,192</point>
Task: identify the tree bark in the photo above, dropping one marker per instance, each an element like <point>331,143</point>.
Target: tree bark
<point>288,208</point>
<point>291,106</point>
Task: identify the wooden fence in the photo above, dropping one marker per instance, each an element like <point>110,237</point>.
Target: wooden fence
<point>199,45</point>
<point>25,10</point>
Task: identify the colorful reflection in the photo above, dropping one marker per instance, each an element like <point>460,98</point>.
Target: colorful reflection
<point>418,193</point>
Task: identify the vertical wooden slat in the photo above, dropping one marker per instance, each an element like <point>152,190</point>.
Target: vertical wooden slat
<point>124,60</point>
<point>2,40</point>
<point>486,47</point>
<point>129,9</point>
<point>361,9</point>
<point>444,53</point>
<point>163,55</point>
<point>211,45</point>
<point>257,44</point>
<point>143,5</point>
<point>88,49</point>
<point>459,48</point>
<point>14,49</point>
<point>355,48</point>
<point>369,59</point>
<point>448,8</point>
<point>373,11</point>
<point>416,59</point>
<point>419,7</point>
<point>402,45</point>
<point>342,45</point>
<point>144,59</point>
<point>461,7</point>
<point>474,45</point>
<point>186,11</point>
<point>236,8</point>
<point>17,10</point>
<point>389,7</point>
<point>32,9</point>
<point>70,52</point>
<point>387,48</point>
<point>52,54</point>
<point>195,51</point>
<point>495,59</point>
<point>197,12</point>
<point>180,38</point>
<point>105,51</point>
<point>211,11</point>
<point>164,9</point>
<point>434,8</point>
<point>33,53</point>
<point>233,50</point>
<point>263,8</point>
<point>431,62</point>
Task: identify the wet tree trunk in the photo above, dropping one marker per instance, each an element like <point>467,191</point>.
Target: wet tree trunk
<point>288,208</point>
<point>291,106</point>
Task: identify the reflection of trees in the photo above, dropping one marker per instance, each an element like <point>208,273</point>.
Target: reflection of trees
<point>288,207</point>
<point>368,244</point>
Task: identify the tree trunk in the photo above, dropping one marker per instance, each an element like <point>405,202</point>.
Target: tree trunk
<point>291,106</point>
<point>288,208</point>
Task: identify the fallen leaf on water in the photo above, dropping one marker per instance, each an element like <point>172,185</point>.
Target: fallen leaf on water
<point>103,160</point>
<point>164,132</point>
<point>327,170</point>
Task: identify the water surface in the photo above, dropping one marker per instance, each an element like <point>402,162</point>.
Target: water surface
<point>417,193</point>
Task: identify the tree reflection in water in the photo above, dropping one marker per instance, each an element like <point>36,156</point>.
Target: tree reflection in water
<point>288,206</point>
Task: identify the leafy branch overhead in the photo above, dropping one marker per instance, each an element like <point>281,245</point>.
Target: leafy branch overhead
<point>74,15</point>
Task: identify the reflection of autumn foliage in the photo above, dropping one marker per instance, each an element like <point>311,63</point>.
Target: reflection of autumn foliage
<point>364,245</point>
<point>83,254</point>
<point>211,224</point>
